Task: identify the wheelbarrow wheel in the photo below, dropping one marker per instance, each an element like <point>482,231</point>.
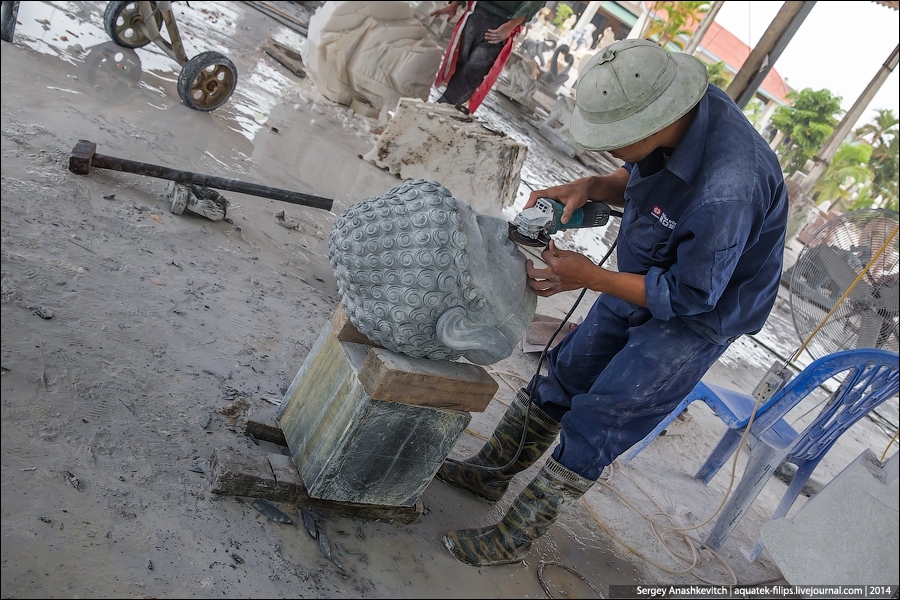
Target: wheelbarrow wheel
<point>119,20</point>
<point>207,81</point>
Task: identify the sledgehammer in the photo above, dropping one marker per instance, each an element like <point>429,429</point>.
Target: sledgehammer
<point>83,158</point>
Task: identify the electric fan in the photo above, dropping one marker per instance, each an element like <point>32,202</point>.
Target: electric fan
<point>829,265</point>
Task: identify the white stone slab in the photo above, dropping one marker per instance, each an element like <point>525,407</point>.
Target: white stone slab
<point>846,534</point>
<point>438,143</point>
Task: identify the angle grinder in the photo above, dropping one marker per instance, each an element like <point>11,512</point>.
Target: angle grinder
<point>534,226</point>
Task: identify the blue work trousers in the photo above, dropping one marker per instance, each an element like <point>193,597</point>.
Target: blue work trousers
<point>614,378</point>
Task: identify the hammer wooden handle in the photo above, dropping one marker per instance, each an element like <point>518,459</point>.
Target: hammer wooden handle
<point>83,159</point>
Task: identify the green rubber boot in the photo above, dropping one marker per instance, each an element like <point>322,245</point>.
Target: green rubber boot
<point>552,491</point>
<point>499,450</point>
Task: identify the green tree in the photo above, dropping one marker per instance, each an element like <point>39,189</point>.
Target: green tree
<point>844,182</point>
<point>719,75</point>
<point>885,124</point>
<point>754,112</point>
<point>884,163</point>
<point>563,12</point>
<point>807,123</point>
<point>681,19</point>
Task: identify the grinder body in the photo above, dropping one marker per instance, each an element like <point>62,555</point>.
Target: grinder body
<point>535,225</point>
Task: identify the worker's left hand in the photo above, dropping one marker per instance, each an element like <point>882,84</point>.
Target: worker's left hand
<point>499,35</point>
<point>565,271</point>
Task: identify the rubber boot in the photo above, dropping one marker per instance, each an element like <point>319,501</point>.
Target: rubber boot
<point>551,492</point>
<point>499,450</point>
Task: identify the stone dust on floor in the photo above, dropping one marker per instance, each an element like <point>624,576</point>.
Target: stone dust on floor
<point>135,342</point>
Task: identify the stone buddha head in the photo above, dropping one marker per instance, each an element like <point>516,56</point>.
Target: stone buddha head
<point>421,273</point>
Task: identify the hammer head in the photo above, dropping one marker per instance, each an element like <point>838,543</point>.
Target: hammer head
<point>80,159</point>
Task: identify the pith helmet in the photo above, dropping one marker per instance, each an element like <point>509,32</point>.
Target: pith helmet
<point>630,90</point>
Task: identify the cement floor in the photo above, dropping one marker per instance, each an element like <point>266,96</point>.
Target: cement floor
<point>166,330</point>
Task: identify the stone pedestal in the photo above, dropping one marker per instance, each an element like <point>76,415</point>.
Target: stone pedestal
<point>370,426</point>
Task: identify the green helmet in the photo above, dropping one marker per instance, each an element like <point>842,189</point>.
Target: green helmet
<point>630,90</point>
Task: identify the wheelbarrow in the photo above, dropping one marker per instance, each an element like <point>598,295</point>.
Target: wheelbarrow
<point>206,81</point>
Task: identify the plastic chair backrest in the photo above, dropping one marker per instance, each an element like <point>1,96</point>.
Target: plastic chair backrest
<point>871,378</point>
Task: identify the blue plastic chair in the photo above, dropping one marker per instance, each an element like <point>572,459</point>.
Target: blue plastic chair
<point>730,406</point>
<point>870,377</point>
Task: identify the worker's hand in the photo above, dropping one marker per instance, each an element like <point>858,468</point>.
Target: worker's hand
<point>448,10</point>
<point>574,195</point>
<point>499,35</point>
<point>565,271</point>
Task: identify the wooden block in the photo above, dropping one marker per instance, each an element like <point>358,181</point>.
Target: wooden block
<point>287,479</point>
<point>540,330</point>
<point>263,425</point>
<point>397,378</point>
<point>236,474</point>
<point>286,56</point>
<point>394,377</point>
<point>347,331</point>
<point>274,477</point>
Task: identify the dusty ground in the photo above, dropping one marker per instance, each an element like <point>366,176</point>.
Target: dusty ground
<point>134,342</point>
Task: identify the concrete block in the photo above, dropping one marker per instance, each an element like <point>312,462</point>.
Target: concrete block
<point>848,533</point>
<point>351,447</point>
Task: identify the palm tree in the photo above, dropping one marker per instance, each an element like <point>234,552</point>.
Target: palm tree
<point>806,124</point>
<point>883,136</point>
<point>845,178</point>
<point>884,122</point>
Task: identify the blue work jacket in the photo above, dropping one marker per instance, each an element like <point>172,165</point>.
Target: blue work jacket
<point>707,231</point>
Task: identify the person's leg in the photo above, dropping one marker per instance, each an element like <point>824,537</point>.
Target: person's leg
<point>489,473</point>
<point>476,57</point>
<point>583,353</point>
<point>660,364</point>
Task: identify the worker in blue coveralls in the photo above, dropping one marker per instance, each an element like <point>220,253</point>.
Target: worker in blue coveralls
<point>700,248</point>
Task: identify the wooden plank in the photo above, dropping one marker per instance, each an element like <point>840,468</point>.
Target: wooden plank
<point>347,331</point>
<point>288,57</point>
<point>394,377</point>
<point>539,331</point>
<point>263,425</point>
<point>236,474</point>
<point>287,478</point>
<point>274,477</point>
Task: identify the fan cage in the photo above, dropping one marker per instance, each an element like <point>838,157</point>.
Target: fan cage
<point>828,266</point>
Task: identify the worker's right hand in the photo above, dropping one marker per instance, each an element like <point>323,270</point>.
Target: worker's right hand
<point>574,195</point>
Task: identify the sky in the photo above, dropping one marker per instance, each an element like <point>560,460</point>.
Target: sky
<point>840,47</point>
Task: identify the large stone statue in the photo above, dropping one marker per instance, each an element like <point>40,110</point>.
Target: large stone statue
<point>421,273</point>
<point>368,55</point>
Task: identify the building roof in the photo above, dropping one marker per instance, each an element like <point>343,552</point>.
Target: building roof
<point>721,45</point>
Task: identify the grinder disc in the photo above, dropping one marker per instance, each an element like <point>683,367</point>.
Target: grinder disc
<point>541,241</point>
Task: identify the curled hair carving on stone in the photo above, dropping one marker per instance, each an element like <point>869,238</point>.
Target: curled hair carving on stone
<point>400,262</point>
